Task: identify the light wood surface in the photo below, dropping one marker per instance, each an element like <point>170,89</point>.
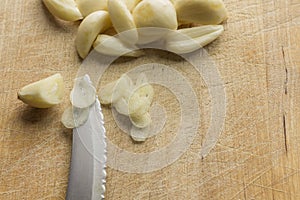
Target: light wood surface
<point>256,157</point>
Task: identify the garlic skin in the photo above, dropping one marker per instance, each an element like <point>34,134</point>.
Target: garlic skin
<point>155,13</point>
<point>44,93</point>
<point>64,9</point>
<point>87,7</point>
<point>94,24</point>
<point>201,11</point>
<point>122,21</point>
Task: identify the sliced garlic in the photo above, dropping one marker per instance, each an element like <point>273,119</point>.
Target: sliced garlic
<point>63,9</point>
<point>131,4</point>
<point>112,46</point>
<point>140,101</point>
<point>90,27</point>
<point>191,39</point>
<point>106,92</point>
<point>83,94</point>
<point>44,93</point>
<point>122,21</point>
<point>141,80</point>
<point>141,121</point>
<point>155,13</point>
<point>87,7</point>
<point>74,117</point>
<point>123,88</point>
<point>112,92</point>
<point>138,135</point>
<point>201,11</point>
<point>122,106</point>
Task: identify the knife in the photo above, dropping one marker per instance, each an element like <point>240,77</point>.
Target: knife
<point>88,163</point>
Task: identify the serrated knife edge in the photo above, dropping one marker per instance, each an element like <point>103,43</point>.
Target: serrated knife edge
<point>88,164</point>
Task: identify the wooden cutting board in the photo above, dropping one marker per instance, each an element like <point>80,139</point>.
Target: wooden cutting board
<point>256,157</point>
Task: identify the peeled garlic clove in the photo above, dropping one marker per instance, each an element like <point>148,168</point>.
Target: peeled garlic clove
<point>90,27</point>
<point>44,93</point>
<point>122,21</point>
<point>74,117</point>
<point>83,94</point>
<point>87,7</point>
<point>63,9</point>
<point>201,11</point>
<point>198,31</point>
<point>191,39</point>
<point>141,121</point>
<point>155,13</point>
<point>131,4</point>
<point>112,46</point>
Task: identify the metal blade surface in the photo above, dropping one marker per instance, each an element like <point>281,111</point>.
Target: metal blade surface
<point>87,173</point>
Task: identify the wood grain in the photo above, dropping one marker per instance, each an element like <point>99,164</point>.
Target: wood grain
<point>257,155</point>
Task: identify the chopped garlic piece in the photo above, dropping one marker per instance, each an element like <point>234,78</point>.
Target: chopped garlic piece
<point>44,93</point>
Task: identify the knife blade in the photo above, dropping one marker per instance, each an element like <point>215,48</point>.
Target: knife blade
<point>88,162</point>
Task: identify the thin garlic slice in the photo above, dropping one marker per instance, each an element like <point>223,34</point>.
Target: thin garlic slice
<point>122,21</point>
<point>201,11</point>
<point>74,117</point>
<point>112,92</point>
<point>191,39</point>
<point>106,92</point>
<point>138,135</point>
<point>140,101</point>
<point>141,121</point>
<point>122,106</point>
<point>83,94</point>
<point>63,9</point>
<point>112,46</point>
<point>90,27</point>
<point>158,121</point>
<point>87,7</point>
<point>44,93</point>
<point>141,80</point>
